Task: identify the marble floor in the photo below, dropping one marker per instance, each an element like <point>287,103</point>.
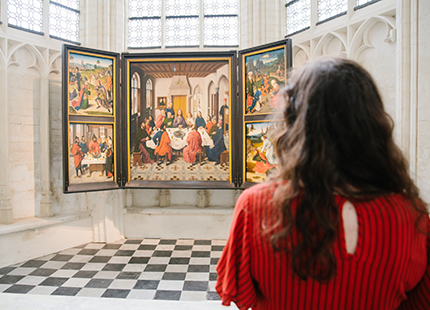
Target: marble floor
<point>144,273</point>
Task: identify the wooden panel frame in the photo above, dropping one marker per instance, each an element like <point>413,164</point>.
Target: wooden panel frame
<point>246,118</point>
<point>230,57</point>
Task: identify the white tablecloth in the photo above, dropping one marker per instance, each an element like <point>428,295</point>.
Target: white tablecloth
<point>89,160</point>
<point>180,143</point>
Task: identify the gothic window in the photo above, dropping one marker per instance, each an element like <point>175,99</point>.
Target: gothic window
<point>221,23</point>
<point>363,2</point>
<point>25,15</point>
<point>135,92</point>
<point>148,94</point>
<point>330,8</point>
<point>182,23</point>
<point>144,24</point>
<point>64,19</point>
<point>298,15</point>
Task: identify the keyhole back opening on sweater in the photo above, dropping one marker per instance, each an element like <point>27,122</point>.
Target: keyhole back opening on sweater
<point>350,225</point>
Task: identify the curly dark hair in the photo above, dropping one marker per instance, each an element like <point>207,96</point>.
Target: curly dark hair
<point>337,140</point>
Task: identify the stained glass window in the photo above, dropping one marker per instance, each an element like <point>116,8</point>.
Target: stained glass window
<point>330,8</point>
<point>64,19</point>
<point>221,23</point>
<point>135,89</point>
<point>25,14</point>
<point>144,24</point>
<point>182,23</point>
<point>298,15</point>
<point>148,94</point>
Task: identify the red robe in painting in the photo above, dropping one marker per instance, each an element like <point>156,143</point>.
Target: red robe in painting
<point>94,147</point>
<point>77,155</point>
<point>194,146</point>
<point>164,148</point>
<point>208,126</point>
<point>148,129</point>
<point>159,121</point>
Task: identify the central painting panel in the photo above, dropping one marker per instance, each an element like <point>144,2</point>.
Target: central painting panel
<point>179,120</point>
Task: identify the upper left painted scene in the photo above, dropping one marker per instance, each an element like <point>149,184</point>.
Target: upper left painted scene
<point>90,85</point>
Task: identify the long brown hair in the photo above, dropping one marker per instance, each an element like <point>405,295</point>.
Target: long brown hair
<point>337,139</point>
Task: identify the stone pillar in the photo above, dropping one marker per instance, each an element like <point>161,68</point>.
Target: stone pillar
<point>202,199</point>
<point>128,198</point>
<point>46,207</point>
<point>6,212</point>
<point>164,198</point>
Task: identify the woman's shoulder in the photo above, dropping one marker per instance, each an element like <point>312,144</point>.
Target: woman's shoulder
<point>257,195</point>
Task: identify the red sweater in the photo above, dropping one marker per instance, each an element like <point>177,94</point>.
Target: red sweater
<point>391,262</point>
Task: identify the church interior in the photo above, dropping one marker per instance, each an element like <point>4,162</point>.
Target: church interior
<point>158,247</point>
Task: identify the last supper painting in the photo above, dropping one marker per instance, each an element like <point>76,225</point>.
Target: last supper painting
<point>187,137</point>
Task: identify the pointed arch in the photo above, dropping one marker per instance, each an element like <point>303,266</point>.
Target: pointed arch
<point>39,64</point>
<point>320,49</point>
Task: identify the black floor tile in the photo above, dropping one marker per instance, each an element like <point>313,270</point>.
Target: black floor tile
<point>85,274</point>
<point>167,295</point>
<point>214,260</point>
<point>200,254</point>
<point>73,266</point>
<point>156,268</point>
<point>217,248</point>
<point>174,275</point>
<point>34,263</point>
<point>88,252</point>
<point>183,247</point>
<point>196,286</point>
<point>129,275</point>
<point>202,242</point>
<point>124,253</point>
<point>43,272</point>
<point>54,281</point>
<point>213,276</point>
<point>162,254</point>
<point>134,241</point>
<point>99,283</point>
<point>62,258</point>
<point>6,270</point>
<point>212,296</point>
<point>146,285</point>
<point>139,260</point>
<point>7,279</point>
<point>179,261</point>
<point>146,247</point>
<point>198,268</point>
<point>167,241</point>
<point>114,293</point>
<point>100,259</point>
<point>112,246</point>
<point>19,289</point>
<point>113,267</point>
<point>66,291</point>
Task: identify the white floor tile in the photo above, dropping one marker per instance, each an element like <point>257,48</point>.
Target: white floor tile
<point>202,248</point>
<point>43,290</point>
<point>219,242</point>
<point>21,271</point>
<point>91,292</point>
<point>150,241</point>
<point>141,294</point>
<point>200,261</point>
<point>119,260</point>
<point>141,253</point>
<point>177,268</point>
<point>105,252</point>
<point>123,284</point>
<point>151,276</point>
<point>216,254</point>
<point>54,265</point>
<point>197,276</point>
<point>4,287</point>
<point>165,247</point>
<point>212,268</point>
<point>167,285</point>
<point>31,280</point>
<point>70,252</point>
<point>76,282</point>
<point>96,246</point>
<point>185,242</point>
<point>181,254</point>
<point>212,286</point>
<point>63,273</point>
<point>81,259</point>
<point>46,257</point>
<point>93,266</point>
<point>134,267</point>
<point>106,275</point>
<point>193,296</point>
<point>159,260</point>
<point>129,247</point>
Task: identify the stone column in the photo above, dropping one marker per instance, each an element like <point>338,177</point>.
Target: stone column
<point>46,207</point>
<point>6,212</point>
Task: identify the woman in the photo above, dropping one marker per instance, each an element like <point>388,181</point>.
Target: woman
<point>190,120</point>
<point>342,225</point>
<point>179,121</point>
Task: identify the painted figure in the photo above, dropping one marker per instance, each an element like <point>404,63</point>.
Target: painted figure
<point>268,147</point>
<point>160,118</point>
<point>77,157</point>
<point>194,146</point>
<point>109,161</point>
<point>209,124</point>
<point>214,152</point>
<point>179,121</point>
<point>168,121</point>
<point>200,122</point>
<point>214,128</point>
<point>163,145</point>
<point>190,120</point>
<point>170,108</point>
<point>94,146</point>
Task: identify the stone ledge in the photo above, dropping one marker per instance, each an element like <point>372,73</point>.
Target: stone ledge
<point>180,210</point>
<point>34,223</point>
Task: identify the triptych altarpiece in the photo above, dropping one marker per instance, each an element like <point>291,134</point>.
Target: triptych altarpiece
<point>171,120</point>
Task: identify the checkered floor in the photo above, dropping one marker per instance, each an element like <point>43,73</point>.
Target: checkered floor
<point>164,269</point>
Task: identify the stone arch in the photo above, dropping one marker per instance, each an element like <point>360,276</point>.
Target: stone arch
<point>360,40</point>
<point>323,45</point>
<point>300,55</point>
<point>38,62</point>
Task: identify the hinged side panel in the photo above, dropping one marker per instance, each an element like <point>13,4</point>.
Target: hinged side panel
<point>90,119</point>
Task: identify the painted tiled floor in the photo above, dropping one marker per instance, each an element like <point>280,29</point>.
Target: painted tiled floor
<point>151,269</point>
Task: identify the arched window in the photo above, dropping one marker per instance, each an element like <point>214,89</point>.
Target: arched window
<point>149,94</point>
<point>135,93</point>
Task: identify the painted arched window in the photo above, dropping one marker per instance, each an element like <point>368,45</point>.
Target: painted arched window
<point>135,93</point>
<point>149,94</point>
